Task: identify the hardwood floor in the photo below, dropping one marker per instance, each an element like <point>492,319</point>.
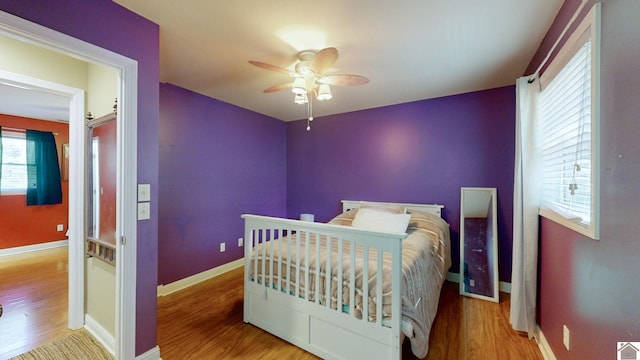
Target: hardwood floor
<point>33,293</point>
<point>467,328</point>
<point>205,322</point>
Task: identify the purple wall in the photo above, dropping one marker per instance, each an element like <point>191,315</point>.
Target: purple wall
<point>106,24</point>
<point>420,152</point>
<point>592,285</point>
<point>217,161</point>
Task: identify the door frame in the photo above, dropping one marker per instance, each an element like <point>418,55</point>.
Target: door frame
<point>126,223</point>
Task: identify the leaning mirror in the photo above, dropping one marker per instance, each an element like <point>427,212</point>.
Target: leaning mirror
<point>101,187</point>
<point>479,244</point>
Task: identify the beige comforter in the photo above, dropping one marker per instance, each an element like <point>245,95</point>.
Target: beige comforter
<point>425,261</point>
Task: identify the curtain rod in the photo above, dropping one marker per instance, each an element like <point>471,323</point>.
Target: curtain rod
<point>19,130</point>
<point>562,34</point>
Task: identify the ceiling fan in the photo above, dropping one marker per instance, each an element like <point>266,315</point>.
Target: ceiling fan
<point>309,78</point>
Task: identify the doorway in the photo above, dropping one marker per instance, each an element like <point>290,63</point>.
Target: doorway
<point>23,30</point>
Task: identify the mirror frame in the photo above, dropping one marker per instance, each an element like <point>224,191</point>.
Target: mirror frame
<point>95,245</point>
<point>491,244</point>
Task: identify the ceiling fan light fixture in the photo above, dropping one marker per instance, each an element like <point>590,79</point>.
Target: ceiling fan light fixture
<point>300,99</point>
<point>309,78</point>
<point>324,92</point>
<point>299,86</point>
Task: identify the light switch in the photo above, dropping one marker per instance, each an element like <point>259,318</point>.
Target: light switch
<point>144,211</point>
<point>144,192</point>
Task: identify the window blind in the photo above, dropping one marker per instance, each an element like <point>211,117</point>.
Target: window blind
<point>565,138</point>
<point>13,162</point>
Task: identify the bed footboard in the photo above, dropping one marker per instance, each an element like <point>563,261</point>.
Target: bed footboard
<point>302,285</point>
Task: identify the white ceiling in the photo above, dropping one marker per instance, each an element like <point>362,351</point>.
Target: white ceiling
<point>409,49</point>
<point>22,100</point>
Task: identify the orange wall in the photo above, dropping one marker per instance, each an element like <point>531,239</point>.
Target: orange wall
<point>20,224</point>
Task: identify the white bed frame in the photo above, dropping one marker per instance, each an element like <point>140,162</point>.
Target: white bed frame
<point>326,332</point>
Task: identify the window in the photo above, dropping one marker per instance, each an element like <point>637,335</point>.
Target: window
<point>14,163</point>
<point>568,131</point>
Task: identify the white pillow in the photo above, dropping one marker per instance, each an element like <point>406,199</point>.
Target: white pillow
<point>372,220</point>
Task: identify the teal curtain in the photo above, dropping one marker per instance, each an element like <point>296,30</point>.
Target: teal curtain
<point>43,170</point>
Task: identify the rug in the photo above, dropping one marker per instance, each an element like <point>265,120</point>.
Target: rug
<point>80,345</point>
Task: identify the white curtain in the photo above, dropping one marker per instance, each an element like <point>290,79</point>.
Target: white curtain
<point>525,210</point>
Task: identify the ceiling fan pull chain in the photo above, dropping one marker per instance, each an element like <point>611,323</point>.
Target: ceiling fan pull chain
<point>309,112</point>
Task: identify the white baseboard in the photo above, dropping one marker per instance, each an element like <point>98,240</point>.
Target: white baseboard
<point>170,288</point>
<point>505,287</point>
<point>35,247</point>
<point>543,345</point>
<point>153,354</point>
<point>106,339</point>
<point>455,277</point>
<point>109,341</point>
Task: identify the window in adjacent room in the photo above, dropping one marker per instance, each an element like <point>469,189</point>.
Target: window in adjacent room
<point>14,163</point>
<point>568,131</point>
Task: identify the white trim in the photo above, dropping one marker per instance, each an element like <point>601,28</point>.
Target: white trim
<point>181,284</point>
<point>505,287</point>
<point>76,200</point>
<point>35,247</point>
<point>126,253</point>
<point>38,35</point>
<point>153,354</point>
<point>543,345</point>
<point>101,334</point>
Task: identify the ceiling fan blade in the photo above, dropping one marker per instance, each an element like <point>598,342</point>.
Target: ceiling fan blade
<point>278,87</point>
<point>271,67</point>
<point>323,60</point>
<point>343,80</point>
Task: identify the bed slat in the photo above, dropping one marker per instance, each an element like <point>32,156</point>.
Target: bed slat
<point>306,268</point>
<point>352,279</point>
<point>316,294</point>
<point>327,274</point>
<point>379,276</point>
<point>365,284</point>
<point>339,276</point>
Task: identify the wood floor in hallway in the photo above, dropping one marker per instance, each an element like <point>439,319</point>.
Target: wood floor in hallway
<point>34,296</point>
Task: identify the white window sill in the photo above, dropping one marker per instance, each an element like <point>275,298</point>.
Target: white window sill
<point>12,192</point>
<point>572,223</point>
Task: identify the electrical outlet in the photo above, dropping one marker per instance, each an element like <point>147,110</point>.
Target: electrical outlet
<point>240,242</point>
<point>222,247</point>
<point>565,336</point>
<point>60,227</point>
<point>472,282</point>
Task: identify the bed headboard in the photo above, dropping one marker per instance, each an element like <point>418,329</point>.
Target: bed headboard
<point>428,208</point>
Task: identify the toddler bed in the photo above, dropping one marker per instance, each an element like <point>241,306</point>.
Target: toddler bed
<point>305,282</point>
